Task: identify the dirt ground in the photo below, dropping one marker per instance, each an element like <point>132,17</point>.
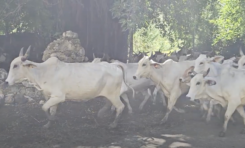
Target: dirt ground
<point>77,125</point>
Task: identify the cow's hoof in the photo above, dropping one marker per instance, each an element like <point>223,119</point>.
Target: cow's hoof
<point>222,134</point>
<point>243,131</point>
<point>46,126</point>
<point>112,125</point>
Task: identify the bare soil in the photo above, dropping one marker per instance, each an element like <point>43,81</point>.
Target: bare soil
<point>78,125</point>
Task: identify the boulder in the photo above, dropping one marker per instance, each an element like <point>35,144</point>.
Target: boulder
<point>19,93</point>
<point>67,48</point>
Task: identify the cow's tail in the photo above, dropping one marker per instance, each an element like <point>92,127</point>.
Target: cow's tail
<point>124,78</point>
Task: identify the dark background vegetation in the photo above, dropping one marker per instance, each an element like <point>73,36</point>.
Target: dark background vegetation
<point>111,26</point>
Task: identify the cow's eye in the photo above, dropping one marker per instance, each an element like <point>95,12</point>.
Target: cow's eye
<point>198,83</point>
<point>15,66</point>
<point>201,63</point>
<point>143,64</point>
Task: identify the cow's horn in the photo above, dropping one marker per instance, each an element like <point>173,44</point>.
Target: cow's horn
<point>21,52</point>
<point>27,52</point>
<point>93,56</point>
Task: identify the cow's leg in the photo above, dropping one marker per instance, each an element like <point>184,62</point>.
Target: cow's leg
<point>125,98</point>
<point>175,94</point>
<point>53,101</point>
<point>163,98</point>
<point>204,110</point>
<point>142,104</point>
<point>102,111</point>
<point>240,110</point>
<point>218,109</point>
<point>229,111</point>
<point>52,112</point>
<point>210,110</point>
<point>119,108</point>
<point>154,95</point>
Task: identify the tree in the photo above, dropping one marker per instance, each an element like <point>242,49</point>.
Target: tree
<point>230,21</point>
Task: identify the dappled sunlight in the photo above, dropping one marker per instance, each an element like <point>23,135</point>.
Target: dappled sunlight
<point>179,144</point>
<point>179,137</point>
<point>150,142</point>
<point>166,140</point>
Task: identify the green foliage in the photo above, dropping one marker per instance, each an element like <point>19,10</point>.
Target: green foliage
<point>230,21</point>
<point>25,15</point>
<point>156,24</point>
<point>150,39</point>
<point>132,13</point>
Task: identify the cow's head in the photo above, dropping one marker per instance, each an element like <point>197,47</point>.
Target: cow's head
<point>18,66</point>
<point>198,84</point>
<point>202,63</point>
<point>145,66</point>
<point>188,74</point>
<point>230,62</point>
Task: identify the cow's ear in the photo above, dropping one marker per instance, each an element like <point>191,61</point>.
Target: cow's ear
<point>29,64</point>
<point>156,65</point>
<point>218,59</point>
<point>188,71</point>
<point>210,81</point>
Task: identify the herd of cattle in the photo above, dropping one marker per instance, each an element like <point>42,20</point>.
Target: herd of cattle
<point>203,77</point>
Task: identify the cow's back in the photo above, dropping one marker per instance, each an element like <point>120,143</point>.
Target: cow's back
<point>82,80</point>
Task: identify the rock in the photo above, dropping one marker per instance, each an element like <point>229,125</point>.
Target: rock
<point>19,93</point>
<point>3,75</point>
<point>9,99</point>
<point>41,102</point>
<point>20,99</point>
<point>67,48</point>
<point>30,100</point>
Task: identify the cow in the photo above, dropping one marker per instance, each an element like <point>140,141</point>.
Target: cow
<point>166,75</point>
<point>203,99</point>
<point>206,65</point>
<point>70,81</point>
<point>104,58</point>
<point>141,85</point>
<point>232,95</point>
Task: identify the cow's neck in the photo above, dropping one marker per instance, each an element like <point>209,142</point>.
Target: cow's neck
<point>34,74</point>
<point>214,67</point>
<point>155,77</point>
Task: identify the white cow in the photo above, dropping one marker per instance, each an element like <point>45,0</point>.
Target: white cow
<point>232,95</point>
<point>201,62</point>
<point>70,81</point>
<point>167,75</point>
<point>223,75</point>
<point>141,85</point>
